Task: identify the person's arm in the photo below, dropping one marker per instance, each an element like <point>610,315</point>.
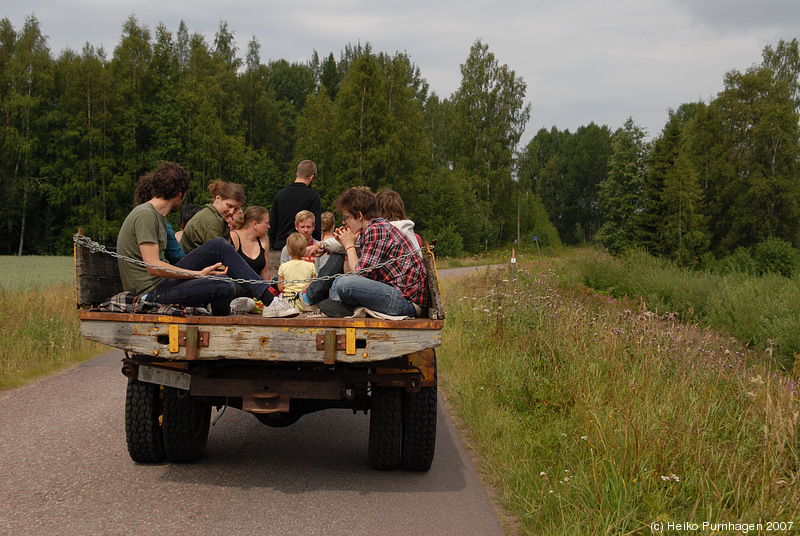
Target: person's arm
<point>348,241</point>
<point>173,252</point>
<point>281,277</point>
<point>155,266</point>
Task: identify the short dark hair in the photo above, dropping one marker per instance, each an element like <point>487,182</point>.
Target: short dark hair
<point>187,211</point>
<point>355,200</point>
<point>306,168</point>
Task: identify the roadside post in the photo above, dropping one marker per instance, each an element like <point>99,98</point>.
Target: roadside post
<point>513,262</point>
<point>536,239</point>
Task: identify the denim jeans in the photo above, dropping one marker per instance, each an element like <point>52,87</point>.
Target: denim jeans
<point>201,292</point>
<point>319,289</point>
<point>357,290</point>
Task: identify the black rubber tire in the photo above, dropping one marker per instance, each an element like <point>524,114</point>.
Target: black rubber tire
<point>143,431</point>
<point>385,428</point>
<point>419,429</point>
<point>186,423</point>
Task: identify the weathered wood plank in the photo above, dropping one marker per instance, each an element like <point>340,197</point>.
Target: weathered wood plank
<point>261,342</point>
<point>436,309</point>
<point>96,276</point>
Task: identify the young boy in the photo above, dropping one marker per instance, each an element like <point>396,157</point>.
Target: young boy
<point>296,272</point>
<point>303,224</point>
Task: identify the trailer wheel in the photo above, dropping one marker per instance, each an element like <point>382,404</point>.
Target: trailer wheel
<point>385,428</point>
<point>419,429</point>
<point>186,423</point>
<point>143,432</point>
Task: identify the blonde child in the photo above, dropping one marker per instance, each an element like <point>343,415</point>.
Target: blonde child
<point>295,274</point>
<point>304,223</point>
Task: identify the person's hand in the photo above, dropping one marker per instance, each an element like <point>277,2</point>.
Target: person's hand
<point>314,251</point>
<point>346,237</point>
<point>214,269</point>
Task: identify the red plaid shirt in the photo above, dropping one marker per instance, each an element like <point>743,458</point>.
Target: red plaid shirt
<point>380,242</point>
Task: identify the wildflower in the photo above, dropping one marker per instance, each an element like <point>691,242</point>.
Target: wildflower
<point>542,473</point>
<point>584,438</point>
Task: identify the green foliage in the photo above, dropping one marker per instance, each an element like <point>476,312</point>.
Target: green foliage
<point>621,194</point>
<point>449,242</point>
<point>761,310</point>
<point>80,129</point>
<point>776,256</point>
<point>740,261</point>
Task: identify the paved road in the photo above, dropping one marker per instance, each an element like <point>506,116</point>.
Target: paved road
<point>65,470</point>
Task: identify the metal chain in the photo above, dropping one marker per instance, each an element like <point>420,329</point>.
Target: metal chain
<point>94,247</point>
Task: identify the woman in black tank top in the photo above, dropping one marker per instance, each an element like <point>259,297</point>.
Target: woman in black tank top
<point>251,240</point>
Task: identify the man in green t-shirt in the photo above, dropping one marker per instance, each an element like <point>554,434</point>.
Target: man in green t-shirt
<point>143,237</point>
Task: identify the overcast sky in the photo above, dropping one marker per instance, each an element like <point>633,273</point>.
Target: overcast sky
<point>582,60</point>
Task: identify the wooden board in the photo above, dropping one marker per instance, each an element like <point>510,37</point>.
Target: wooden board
<point>256,341</point>
<point>96,277</point>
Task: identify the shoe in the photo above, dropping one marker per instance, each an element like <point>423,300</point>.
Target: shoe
<point>279,309</point>
<point>336,309</point>
<point>240,306</point>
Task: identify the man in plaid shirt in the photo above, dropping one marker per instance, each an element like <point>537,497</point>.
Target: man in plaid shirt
<point>396,289</point>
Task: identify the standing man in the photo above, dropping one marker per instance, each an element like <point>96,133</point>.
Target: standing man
<point>289,201</point>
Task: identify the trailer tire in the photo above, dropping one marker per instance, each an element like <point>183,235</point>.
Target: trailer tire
<point>419,429</point>
<point>385,428</point>
<point>186,423</point>
<point>143,432</point>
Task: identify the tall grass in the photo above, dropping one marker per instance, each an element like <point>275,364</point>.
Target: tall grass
<point>39,326</point>
<point>594,416</point>
<point>760,310</point>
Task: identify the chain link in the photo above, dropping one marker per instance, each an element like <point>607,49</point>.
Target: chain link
<point>94,247</point>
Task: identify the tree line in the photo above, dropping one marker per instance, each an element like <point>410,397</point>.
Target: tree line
<point>719,182</point>
<point>79,128</point>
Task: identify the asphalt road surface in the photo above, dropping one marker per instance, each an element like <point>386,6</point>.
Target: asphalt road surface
<point>65,470</point>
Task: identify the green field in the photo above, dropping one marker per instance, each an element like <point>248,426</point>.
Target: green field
<point>39,327</point>
<point>18,273</point>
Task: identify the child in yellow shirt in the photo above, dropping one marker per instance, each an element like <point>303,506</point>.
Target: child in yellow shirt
<point>294,275</point>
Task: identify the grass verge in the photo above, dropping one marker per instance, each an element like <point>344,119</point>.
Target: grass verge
<point>759,310</point>
<point>40,333</point>
<point>592,415</point>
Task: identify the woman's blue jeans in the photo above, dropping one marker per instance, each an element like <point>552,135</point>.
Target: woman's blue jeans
<point>201,292</point>
<point>357,290</point>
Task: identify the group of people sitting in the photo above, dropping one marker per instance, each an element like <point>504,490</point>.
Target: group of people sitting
<point>370,261</point>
